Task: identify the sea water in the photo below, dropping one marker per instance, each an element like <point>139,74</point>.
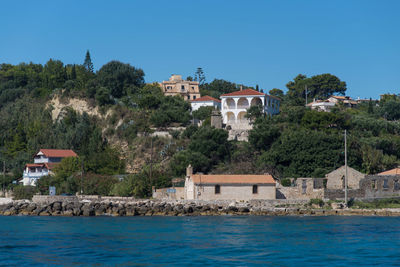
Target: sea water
<point>211,241</point>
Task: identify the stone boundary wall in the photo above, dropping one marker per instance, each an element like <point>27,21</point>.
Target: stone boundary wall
<point>178,208</point>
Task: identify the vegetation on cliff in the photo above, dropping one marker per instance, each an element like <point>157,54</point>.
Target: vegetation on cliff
<point>298,142</point>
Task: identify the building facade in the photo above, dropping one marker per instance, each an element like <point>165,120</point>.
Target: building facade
<point>189,90</point>
<point>229,187</point>
<point>234,106</point>
<point>336,178</point>
<point>44,161</point>
<point>205,101</point>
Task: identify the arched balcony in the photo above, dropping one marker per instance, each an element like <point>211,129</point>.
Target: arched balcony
<point>241,117</point>
<point>256,102</point>
<point>229,104</point>
<point>243,103</point>
<point>230,117</point>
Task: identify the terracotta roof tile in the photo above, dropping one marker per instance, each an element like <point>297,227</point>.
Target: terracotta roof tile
<point>244,92</point>
<point>395,171</point>
<point>205,98</point>
<point>58,153</point>
<point>233,179</point>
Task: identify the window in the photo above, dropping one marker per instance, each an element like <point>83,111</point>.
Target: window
<point>396,185</point>
<point>194,97</point>
<point>385,184</point>
<point>373,184</point>
<point>188,97</point>
<point>304,186</point>
<point>183,87</point>
<point>192,87</point>
<point>255,189</point>
<point>217,189</point>
<point>343,182</point>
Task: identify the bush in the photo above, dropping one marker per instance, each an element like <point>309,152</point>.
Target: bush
<point>316,201</point>
<point>286,182</point>
<point>24,192</point>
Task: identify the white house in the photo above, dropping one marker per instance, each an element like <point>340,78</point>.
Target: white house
<point>205,101</point>
<point>234,106</point>
<point>44,161</point>
<point>321,105</point>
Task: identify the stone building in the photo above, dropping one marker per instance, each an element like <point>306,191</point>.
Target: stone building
<point>336,178</point>
<point>395,171</point>
<point>303,188</point>
<point>380,186</point>
<point>189,90</point>
<point>229,187</point>
<point>234,106</point>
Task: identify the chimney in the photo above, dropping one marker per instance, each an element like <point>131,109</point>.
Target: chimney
<point>241,88</point>
<point>189,171</point>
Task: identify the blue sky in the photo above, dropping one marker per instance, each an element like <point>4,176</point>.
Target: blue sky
<point>251,42</point>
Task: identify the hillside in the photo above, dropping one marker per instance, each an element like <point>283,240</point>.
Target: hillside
<point>108,118</point>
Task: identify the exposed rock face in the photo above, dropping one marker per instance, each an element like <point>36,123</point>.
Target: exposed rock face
<point>174,208</point>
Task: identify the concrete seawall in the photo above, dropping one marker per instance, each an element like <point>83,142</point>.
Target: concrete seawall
<point>73,206</point>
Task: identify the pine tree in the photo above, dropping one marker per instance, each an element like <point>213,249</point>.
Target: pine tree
<point>73,73</point>
<point>199,76</point>
<point>88,62</point>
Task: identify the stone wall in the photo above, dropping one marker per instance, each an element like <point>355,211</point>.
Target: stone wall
<point>377,186</point>
<point>165,193</point>
<point>305,189</point>
<point>338,194</point>
<point>235,192</point>
<point>336,178</point>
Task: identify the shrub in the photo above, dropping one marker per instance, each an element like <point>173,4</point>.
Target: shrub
<point>286,182</point>
<point>24,192</point>
<point>316,201</point>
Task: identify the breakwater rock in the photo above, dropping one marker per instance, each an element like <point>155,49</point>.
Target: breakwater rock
<point>173,208</point>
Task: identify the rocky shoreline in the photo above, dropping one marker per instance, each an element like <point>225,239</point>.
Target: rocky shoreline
<point>176,208</point>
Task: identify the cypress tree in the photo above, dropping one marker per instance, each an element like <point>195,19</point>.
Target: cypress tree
<point>88,62</point>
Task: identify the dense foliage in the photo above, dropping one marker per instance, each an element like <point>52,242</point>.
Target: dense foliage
<point>298,142</point>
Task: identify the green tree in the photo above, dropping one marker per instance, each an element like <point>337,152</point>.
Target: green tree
<point>277,92</point>
<point>88,62</point>
<point>121,79</point>
<point>199,76</point>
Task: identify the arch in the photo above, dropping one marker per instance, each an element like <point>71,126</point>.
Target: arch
<point>243,103</point>
<point>241,117</point>
<point>229,103</point>
<point>256,102</point>
<point>230,117</point>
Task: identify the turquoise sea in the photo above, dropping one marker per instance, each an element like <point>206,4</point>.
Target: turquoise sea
<point>190,241</point>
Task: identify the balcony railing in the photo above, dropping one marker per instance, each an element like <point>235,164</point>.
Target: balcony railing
<point>34,174</point>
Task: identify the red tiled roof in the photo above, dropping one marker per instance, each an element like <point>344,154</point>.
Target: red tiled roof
<point>233,179</point>
<point>51,165</point>
<point>34,165</point>
<point>395,171</point>
<point>244,92</point>
<point>58,153</point>
<point>205,98</point>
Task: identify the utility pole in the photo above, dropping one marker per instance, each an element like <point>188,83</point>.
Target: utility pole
<point>306,95</point>
<point>345,164</point>
<point>4,175</point>
<point>82,177</point>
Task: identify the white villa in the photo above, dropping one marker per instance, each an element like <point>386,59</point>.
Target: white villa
<point>234,106</point>
<point>321,105</point>
<point>44,161</point>
<point>205,101</point>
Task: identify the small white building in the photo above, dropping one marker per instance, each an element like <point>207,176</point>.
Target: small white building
<point>229,187</point>
<point>205,101</point>
<point>321,105</point>
<point>44,161</point>
<point>234,106</point>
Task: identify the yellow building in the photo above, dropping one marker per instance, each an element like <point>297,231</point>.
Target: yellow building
<point>189,90</point>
